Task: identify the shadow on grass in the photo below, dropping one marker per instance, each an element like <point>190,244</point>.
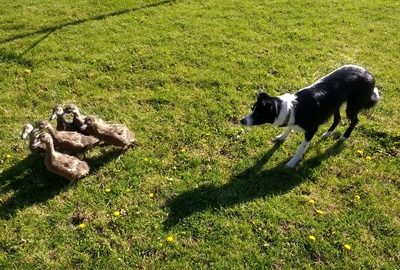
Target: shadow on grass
<point>385,139</point>
<point>37,42</point>
<point>248,185</point>
<point>49,29</point>
<point>12,57</point>
<point>28,182</point>
<point>95,163</point>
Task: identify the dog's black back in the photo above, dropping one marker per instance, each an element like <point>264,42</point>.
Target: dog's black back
<point>317,102</point>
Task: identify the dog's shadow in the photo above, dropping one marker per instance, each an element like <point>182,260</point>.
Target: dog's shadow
<point>246,186</point>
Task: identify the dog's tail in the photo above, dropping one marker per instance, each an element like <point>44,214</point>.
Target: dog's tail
<point>374,99</point>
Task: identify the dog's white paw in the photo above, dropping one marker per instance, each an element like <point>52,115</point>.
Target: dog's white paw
<point>327,134</point>
<point>279,138</point>
<point>291,164</point>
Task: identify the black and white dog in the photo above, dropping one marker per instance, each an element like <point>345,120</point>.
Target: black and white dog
<point>313,105</point>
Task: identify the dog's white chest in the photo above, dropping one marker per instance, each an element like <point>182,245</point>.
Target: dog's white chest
<point>286,110</point>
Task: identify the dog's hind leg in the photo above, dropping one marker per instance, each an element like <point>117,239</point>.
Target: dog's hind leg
<point>347,133</point>
<point>351,112</point>
<point>336,121</point>
<point>283,136</point>
<point>301,150</point>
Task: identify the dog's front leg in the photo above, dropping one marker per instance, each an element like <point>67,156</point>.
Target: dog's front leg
<point>301,150</point>
<point>283,136</point>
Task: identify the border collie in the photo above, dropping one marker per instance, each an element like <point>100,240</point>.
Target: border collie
<point>314,104</point>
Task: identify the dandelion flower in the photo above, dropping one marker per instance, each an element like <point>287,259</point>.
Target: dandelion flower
<point>82,226</point>
<point>360,152</point>
<point>347,246</point>
<point>320,212</point>
<point>311,237</point>
<point>128,190</point>
<point>108,190</point>
<point>311,201</point>
<point>368,158</point>
<point>117,214</point>
<point>146,159</point>
<point>170,239</point>
<point>151,194</point>
<point>8,156</point>
<point>357,197</point>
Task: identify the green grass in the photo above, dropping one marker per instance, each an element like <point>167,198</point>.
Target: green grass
<point>180,74</point>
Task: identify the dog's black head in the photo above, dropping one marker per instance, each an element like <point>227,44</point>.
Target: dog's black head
<point>265,110</point>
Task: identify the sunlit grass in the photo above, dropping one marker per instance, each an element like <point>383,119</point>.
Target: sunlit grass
<point>200,191</point>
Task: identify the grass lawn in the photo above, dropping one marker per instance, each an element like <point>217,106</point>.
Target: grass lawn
<point>200,191</point>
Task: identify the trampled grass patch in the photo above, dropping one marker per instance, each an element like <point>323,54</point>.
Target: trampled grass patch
<point>200,191</point>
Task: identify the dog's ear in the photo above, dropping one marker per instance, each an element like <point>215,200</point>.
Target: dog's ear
<point>270,105</point>
<point>274,107</point>
<point>261,91</point>
<point>262,94</point>
<point>266,103</point>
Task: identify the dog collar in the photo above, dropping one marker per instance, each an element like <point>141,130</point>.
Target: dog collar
<point>286,122</point>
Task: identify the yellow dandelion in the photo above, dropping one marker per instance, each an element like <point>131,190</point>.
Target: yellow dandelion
<point>311,201</point>
<point>347,246</point>
<point>311,237</point>
<point>170,239</point>
<point>8,156</point>
<point>117,214</point>
<point>82,226</point>
<point>320,212</point>
<point>128,190</point>
<point>368,158</point>
<point>28,70</point>
<point>357,197</point>
<point>151,194</point>
<point>360,152</point>
<point>146,159</point>
<point>108,190</point>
